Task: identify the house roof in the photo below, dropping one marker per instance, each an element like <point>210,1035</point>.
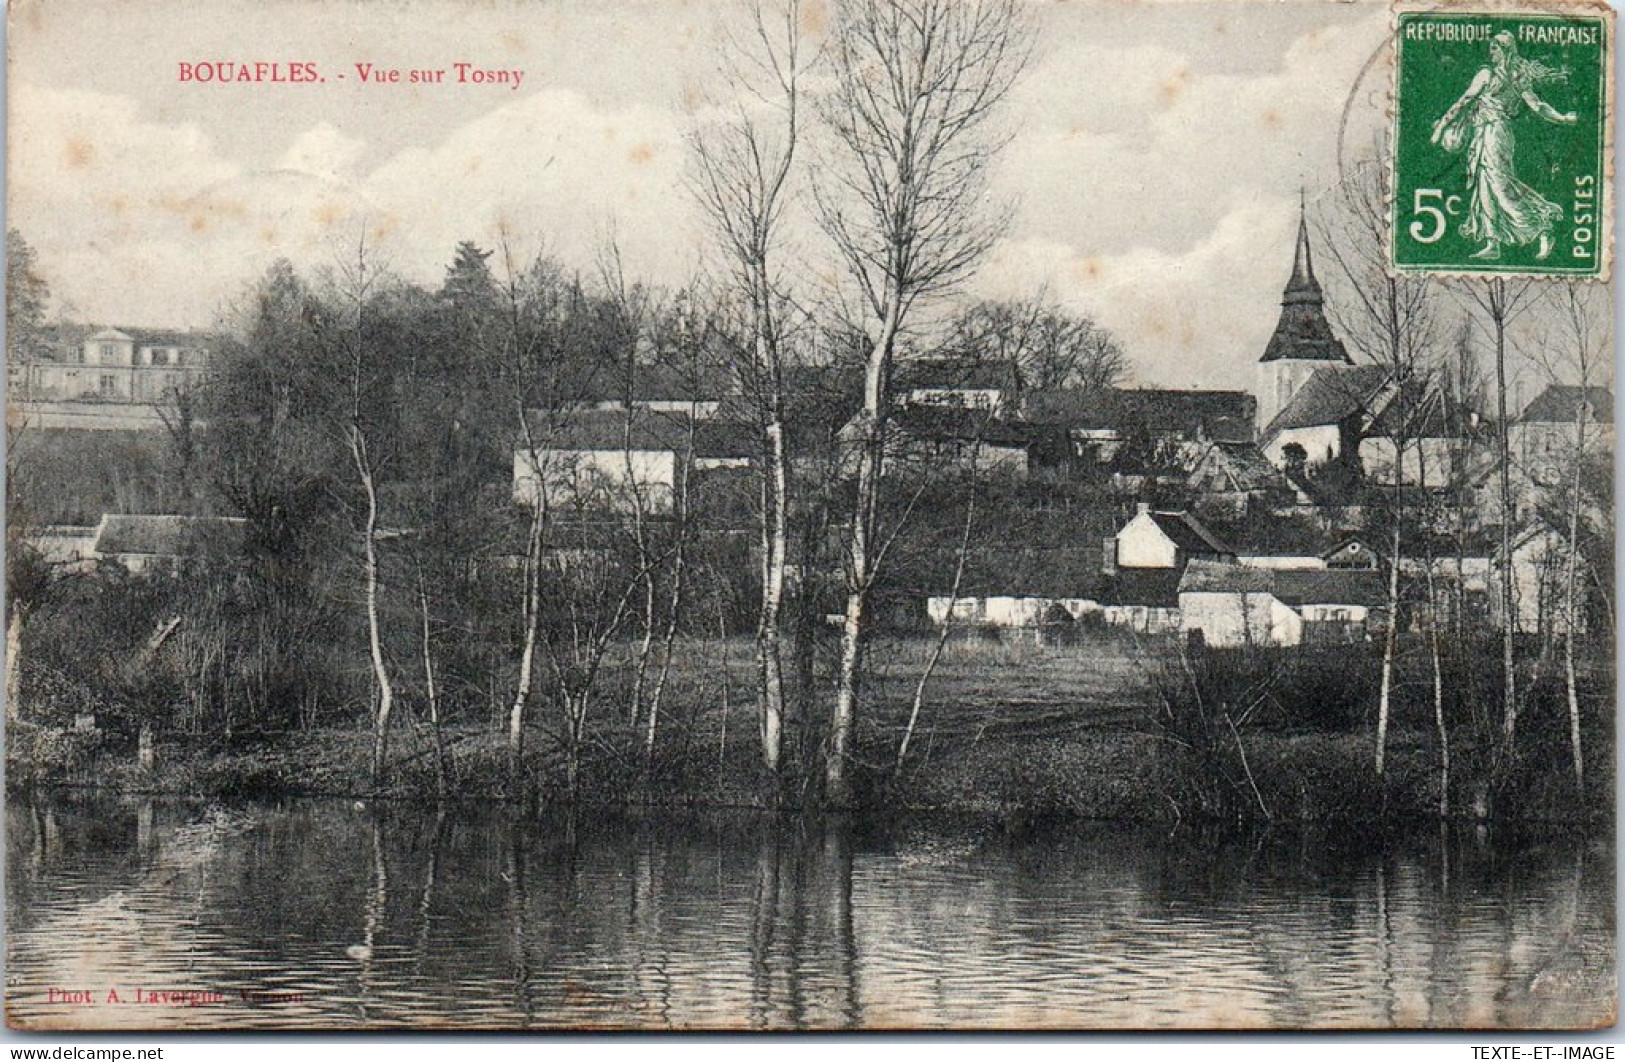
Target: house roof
<point>1330,396</point>
<point>641,430</point>
<point>165,536</point>
<point>1330,586</point>
<point>955,373</point>
<point>1187,533</point>
<point>1217,414</point>
<point>1213,577</point>
<point>663,382</point>
<point>1285,537</point>
<point>1418,411</point>
<point>1295,587</point>
<point>1244,465</point>
<point>159,337</point>
<point>1560,403</point>
<point>1148,587</point>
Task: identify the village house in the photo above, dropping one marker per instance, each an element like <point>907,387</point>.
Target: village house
<point>148,543</point>
<point>990,386</point>
<point>657,387</point>
<point>936,438</point>
<point>1235,477</point>
<point>67,548</point>
<point>1166,540</point>
<point>1233,605</point>
<point>1423,431</point>
<point>627,462</point>
<point>1545,437</point>
<point>1540,579</point>
<point>1164,426</point>
<point>1057,593</point>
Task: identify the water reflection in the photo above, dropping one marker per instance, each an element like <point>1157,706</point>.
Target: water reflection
<point>337,914</point>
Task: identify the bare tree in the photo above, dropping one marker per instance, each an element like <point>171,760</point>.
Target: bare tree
<point>916,84</point>
<point>1501,302</point>
<point>1049,348</point>
<point>529,366</point>
<point>356,286</point>
<point>1391,321</point>
<point>743,173</point>
<point>1576,352</point>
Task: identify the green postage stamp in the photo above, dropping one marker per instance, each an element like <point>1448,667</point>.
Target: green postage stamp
<point>1501,141</point>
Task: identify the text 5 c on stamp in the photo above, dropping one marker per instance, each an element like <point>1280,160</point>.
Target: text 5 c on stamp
<point>1500,142</point>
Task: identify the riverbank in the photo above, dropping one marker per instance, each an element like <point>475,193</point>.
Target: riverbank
<point>1014,732</point>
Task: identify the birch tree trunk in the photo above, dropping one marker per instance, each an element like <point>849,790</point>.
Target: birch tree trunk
<point>375,644</point>
<point>1389,642</point>
<point>14,648</point>
<point>914,85</point>
<point>431,689</point>
<point>1571,611</point>
<point>775,551</point>
<point>530,609</point>
<point>860,550</point>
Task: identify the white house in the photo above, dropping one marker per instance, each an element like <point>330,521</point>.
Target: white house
<point>1163,539</point>
<point>1540,567</point>
<point>68,548</point>
<point>1545,438</point>
<point>957,383</point>
<point>1236,605</point>
<point>625,461</point>
<point>122,365</point>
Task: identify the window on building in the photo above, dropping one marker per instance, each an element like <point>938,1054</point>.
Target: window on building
<point>106,353</point>
<point>108,384</point>
<point>160,356</point>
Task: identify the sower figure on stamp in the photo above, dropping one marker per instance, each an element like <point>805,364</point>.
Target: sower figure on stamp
<point>1502,209</point>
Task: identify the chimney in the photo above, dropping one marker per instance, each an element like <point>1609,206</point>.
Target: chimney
<point>1141,508</point>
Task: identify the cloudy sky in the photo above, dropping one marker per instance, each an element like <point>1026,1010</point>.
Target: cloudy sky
<point>1156,155</point>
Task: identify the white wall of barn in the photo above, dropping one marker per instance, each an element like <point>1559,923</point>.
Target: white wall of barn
<point>1229,619</point>
<point>1425,462</point>
<point>618,480</point>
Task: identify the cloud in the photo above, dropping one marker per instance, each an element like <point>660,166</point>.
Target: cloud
<point>1188,317</point>
<point>1154,182</point>
<point>145,222</point>
<point>323,151</point>
<point>551,164</point>
<point>1156,195</point>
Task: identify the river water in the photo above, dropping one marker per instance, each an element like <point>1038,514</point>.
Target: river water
<point>125,913</point>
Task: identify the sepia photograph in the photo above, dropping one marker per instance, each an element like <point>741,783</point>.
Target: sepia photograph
<point>809,515</point>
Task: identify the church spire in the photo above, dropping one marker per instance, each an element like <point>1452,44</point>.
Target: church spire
<point>1303,333</point>
<point>1303,287</point>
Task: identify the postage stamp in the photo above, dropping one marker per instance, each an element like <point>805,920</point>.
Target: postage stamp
<point>1500,142</point>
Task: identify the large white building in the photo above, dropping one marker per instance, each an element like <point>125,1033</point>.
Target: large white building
<point>130,365</point>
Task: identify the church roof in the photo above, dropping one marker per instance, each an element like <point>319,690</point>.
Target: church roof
<point>1303,333</point>
<point>1331,396</point>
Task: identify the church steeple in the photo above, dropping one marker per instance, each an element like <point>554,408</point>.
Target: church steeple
<point>1303,343</point>
<point>1303,333</point>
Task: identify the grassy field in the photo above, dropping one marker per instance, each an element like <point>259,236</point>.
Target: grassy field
<point>1008,729</point>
